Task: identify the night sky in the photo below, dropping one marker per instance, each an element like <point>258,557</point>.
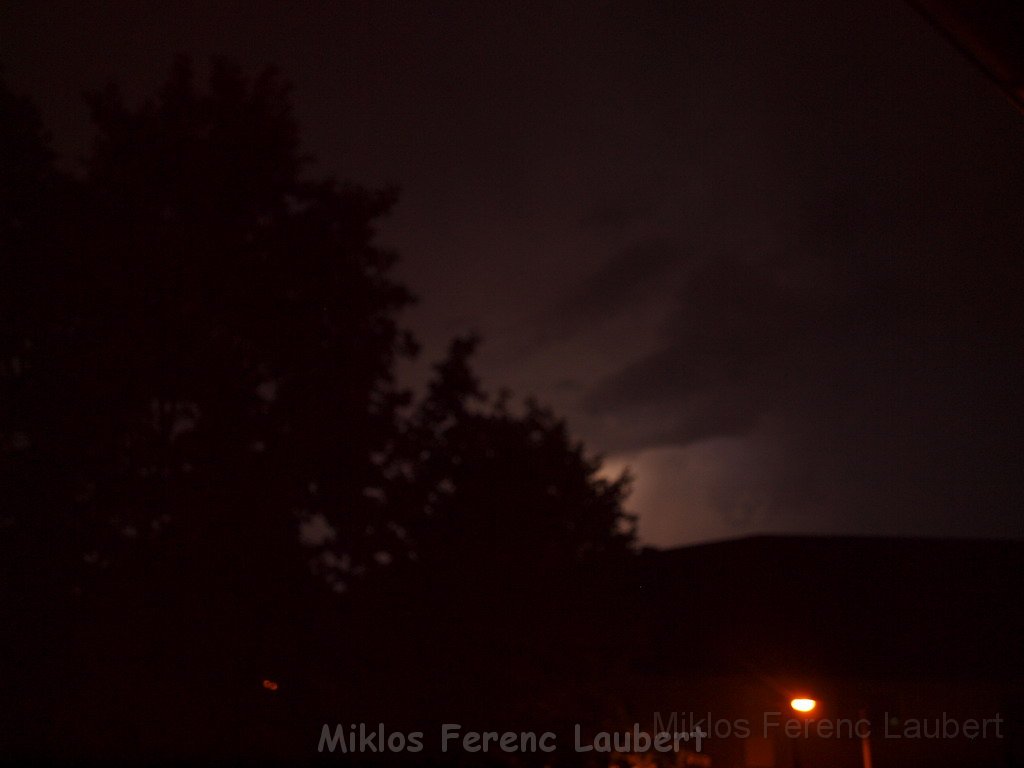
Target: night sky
<point>766,254</point>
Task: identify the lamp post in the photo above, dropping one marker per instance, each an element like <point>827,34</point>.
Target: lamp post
<point>865,742</point>
<point>804,706</point>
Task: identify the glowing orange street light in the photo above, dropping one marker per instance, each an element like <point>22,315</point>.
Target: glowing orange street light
<point>803,705</point>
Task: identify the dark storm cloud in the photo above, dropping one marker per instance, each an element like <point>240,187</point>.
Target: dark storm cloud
<point>622,280</point>
<point>745,336</point>
<point>852,289</point>
<point>881,334</point>
<point>618,215</point>
<point>732,330</point>
<point>617,287</point>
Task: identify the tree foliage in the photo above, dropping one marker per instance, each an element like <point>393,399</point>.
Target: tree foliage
<point>501,491</point>
<point>198,409</point>
<point>213,343</point>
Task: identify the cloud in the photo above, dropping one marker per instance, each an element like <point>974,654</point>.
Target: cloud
<point>622,280</point>
<point>873,338</point>
<point>894,389</point>
<point>618,287</point>
<point>619,214</point>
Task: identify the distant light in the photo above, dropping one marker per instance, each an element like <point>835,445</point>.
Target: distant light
<point>270,685</point>
<point>803,705</point>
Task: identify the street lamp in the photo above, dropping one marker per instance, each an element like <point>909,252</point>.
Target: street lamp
<point>804,705</point>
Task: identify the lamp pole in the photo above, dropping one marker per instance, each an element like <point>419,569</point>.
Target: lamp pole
<point>865,742</point>
<point>804,706</point>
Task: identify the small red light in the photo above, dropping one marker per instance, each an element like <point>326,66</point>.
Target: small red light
<point>270,685</point>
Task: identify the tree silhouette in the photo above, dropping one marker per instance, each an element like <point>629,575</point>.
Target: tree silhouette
<point>506,493</point>
<point>199,411</point>
<point>198,354</point>
<point>218,333</point>
<point>515,544</point>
